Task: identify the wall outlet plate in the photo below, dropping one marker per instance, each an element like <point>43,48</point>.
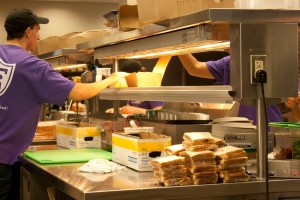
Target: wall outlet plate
<point>257,62</point>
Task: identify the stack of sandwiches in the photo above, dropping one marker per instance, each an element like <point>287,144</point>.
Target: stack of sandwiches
<point>200,159</point>
<point>170,170</point>
<point>200,141</point>
<point>231,161</point>
<point>201,166</point>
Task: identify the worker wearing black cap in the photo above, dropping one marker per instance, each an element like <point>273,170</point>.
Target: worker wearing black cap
<point>26,83</point>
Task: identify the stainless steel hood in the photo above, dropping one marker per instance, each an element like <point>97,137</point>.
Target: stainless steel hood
<point>206,28</point>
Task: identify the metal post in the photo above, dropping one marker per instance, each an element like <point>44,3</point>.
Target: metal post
<point>261,140</point>
<point>116,104</point>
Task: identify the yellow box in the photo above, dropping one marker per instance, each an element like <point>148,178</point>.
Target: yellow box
<point>71,136</point>
<point>144,79</point>
<point>137,151</point>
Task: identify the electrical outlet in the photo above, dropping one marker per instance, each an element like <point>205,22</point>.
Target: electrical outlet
<point>258,65</point>
<point>257,62</point>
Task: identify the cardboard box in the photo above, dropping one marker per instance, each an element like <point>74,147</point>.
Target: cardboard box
<point>46,130</point>
<point>144,79</point>
<point>86,36</point>
<point>109,128</point>
<point>53,43</point>
<point>137,151</point>
<point>128,17</point>
<point>154,11</point>
<point>68,135</point>
<point>48,44</point>
<point>168,9</point>
<point>127,2</point>
<point>160,10</point>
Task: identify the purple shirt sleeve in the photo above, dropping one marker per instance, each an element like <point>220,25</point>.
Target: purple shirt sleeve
<point>146,104</point>
<point>53,87</point>
<point>220,69</point>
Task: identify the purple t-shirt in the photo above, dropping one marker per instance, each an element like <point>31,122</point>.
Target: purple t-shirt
<point>146,104</point>
<point>26,82</point>
<point>220,69</point>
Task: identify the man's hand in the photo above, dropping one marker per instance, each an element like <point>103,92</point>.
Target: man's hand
<point>132,110</point>
<point>293,102</point>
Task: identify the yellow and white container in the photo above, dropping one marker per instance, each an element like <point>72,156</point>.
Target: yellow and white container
<point>136,152</point>
<point>72,136</point>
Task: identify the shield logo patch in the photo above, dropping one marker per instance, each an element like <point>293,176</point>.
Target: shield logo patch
<point>6,74</point>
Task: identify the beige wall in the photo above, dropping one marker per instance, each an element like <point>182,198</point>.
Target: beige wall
<point>65,17</point>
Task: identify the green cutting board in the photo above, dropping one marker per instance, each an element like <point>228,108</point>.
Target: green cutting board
<point>67,155</point>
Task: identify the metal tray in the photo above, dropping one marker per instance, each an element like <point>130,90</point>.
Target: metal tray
<point>178,121</point>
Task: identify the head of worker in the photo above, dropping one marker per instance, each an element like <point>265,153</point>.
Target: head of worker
<point>131,66</point>
<point>23,26</point>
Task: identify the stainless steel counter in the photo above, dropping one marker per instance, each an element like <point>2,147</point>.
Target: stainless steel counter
<point>130,184</point>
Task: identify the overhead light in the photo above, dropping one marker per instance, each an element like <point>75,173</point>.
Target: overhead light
<point>70,67</point>
<point>179,50</point>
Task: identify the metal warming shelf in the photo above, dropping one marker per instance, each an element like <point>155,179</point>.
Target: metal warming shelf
<point>212,94</point>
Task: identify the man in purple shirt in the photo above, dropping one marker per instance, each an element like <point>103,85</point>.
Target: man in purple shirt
<point>26,83</point>
<point>220,71</point>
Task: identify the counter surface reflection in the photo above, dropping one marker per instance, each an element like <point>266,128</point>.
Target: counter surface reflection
<point>131,184</point>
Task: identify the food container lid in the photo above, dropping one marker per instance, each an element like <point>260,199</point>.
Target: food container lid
<point>281,124</point>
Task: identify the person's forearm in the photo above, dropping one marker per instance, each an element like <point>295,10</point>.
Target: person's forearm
<point>83,91</point>
<point>141,111</point>
<point>194,67</point>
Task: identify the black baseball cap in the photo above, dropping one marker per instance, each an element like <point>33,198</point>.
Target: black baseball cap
<point>132,66</point>
<point>22,18</point>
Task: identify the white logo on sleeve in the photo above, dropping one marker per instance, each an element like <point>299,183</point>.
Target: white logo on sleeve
<point>6,74</point>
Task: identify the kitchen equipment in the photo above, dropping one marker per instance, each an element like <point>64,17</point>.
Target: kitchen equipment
<point>175,115</point>
<point>67,155</point>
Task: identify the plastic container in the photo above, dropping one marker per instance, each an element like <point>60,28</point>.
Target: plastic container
<point>282,149</point>
<point>295,140</point>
